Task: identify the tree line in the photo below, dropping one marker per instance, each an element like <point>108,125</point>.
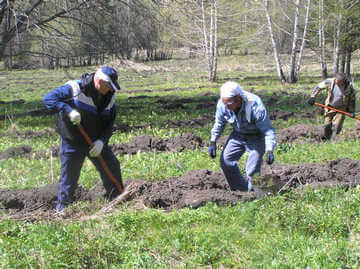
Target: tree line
<point>57,33</point>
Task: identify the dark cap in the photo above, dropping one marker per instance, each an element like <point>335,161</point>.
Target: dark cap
<point>108,74</point>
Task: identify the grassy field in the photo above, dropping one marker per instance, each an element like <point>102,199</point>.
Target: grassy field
<point>317,228</point>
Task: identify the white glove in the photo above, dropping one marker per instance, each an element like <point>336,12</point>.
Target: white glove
<point>97,148</point>
<point>75,117</point>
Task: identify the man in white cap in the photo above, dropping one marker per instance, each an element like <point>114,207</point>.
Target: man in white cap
<point>252,132</point>
<point>90,102</point>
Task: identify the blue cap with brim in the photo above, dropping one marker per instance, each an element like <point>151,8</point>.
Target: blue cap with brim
<point>109,75</point>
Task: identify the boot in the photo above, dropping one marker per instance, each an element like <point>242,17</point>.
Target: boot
<point>335,131</point>
<point>327,132</point>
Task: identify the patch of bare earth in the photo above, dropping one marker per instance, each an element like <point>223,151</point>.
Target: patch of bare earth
<point>297,133</point>
<point>341,172</point>
<point>144,143</point>
<point>194,189</point>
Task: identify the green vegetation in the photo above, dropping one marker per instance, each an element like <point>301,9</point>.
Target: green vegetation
<point>314,229</point>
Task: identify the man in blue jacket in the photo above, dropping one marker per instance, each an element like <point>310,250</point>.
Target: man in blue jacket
<point>252,132</point>
<point>90,102</point>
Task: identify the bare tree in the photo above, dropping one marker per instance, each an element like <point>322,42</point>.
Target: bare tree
<point>195,26</point>
<point>294,66</point>
<point>292,78</point>
<point>17,17</point>
<point>298,65</point>
<point>337,38</point>
<point>210,38</point>
<point>322,47</point>
<point>273,43</point>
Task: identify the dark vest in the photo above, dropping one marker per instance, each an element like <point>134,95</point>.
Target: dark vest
<point>96,113</point>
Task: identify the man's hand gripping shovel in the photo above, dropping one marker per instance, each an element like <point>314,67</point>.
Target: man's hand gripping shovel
<point>102,162</point>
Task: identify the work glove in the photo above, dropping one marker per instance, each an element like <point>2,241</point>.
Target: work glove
<point>311,101</point>
<point>75,117</point>
<point>269,157</point>
<point>212,150</point>
<point>97,148</point>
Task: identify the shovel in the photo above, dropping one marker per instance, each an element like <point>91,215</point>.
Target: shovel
<point>337,110</point>
<point>101,160</point>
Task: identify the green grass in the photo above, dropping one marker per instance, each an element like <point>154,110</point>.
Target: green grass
<point>313,229</point>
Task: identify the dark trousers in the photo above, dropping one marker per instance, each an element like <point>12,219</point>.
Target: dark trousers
<point>72,158</point>
<point>234,148</point>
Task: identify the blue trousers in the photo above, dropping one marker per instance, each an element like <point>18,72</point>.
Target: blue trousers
<point>235,147</point>
<point>72,158</point>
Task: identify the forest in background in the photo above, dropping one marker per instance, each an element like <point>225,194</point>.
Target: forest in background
<point>64,33</point>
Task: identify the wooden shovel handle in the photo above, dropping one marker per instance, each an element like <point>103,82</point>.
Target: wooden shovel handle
<point>337,110</point>
<point>101,160</point>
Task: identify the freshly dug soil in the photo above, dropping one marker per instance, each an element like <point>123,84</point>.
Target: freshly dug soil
<point>188,141</point>
<point>194,189</point>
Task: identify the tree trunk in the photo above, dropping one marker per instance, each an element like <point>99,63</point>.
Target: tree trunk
<point>322,40</point>
<point>298,65</point>
<point>273,43</point>
<point>348,62</point>
<point>291,77</point>
<point>342,62</point>
<point>209,38</point>
<point>337,39</point>
<point>214,40</point>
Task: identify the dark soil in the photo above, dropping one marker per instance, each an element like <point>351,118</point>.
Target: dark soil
<point>142,143</point>
<point>147,143</point>
<point>194,189</point>
<point>282,177</point>
<point>186,123</point>
<point>297,133</point>
<point>300,133</point>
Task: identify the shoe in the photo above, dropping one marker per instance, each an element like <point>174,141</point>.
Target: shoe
<point>60,207</point>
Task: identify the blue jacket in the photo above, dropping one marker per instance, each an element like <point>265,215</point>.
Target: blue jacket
<point>97,111</point>
<point>251,120</point>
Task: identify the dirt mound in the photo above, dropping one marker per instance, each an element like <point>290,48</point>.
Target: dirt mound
<point>29,134</point>
<point>296,133</point>
<point>300,132</point>
<point>34,113</point>
<point>142,143</point>
<point>15,152</point>
<point>147,143</point>
<point>43,197</point>
<point>342,172</point>
<point>193,189</point>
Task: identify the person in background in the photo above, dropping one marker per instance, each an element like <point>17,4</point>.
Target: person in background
<point>252,132</point>
<point>89,101</point>
<point>340,95</point>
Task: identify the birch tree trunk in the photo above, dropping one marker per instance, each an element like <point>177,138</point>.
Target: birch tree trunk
<point>214,44</point>
<point>298,65</point>
<point>273,43</point>
<point>337,39</point>
<point>292,78</point>
<point>322,40</point>
<point>209,38</point>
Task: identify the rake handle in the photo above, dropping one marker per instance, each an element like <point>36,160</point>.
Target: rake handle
<point>337,110</point>
<point>101,159</point>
